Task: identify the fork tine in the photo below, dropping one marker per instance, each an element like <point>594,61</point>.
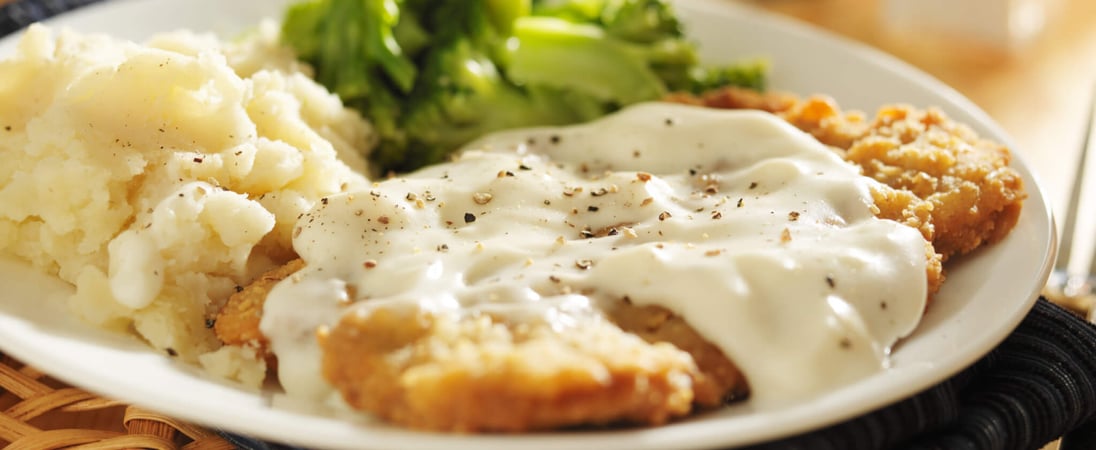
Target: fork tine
<point>1065,247</point>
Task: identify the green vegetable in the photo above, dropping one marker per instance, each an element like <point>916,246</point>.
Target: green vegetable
<point>555,52</point>
<point>434,74</point>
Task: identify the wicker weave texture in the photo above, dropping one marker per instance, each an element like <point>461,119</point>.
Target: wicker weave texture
<point>38,412</point>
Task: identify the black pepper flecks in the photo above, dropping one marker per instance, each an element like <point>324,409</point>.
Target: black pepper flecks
<point>830,281</point>
<point>592,208</point>
<point>469,217</point>
<point>753,185</point>
<point>793,216</point>
<point>554,138</point>
<point>209,323</point>
<point>171,352</point>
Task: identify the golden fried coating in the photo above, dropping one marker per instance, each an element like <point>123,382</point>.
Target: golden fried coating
<point>238,321</point>
<point>719,380</point>
<point>952,185</point>
<point>484,374</point>
<point>976,197</point>
<point>641,364</point>
<point>489,375</point>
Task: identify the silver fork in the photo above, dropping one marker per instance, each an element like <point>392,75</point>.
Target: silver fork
<point>1074,290</point>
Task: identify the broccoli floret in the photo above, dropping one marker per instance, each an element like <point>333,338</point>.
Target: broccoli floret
<point>644,21</point>
<point>578,11</point>
<point>434,74</point>
<point>462,93</point>
<point>463,97</point>
<point>347,41</point>
<point>409,33</point>
<point>747,74</point>
<point>640,21</point>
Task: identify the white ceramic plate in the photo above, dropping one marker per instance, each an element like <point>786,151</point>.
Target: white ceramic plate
<point>985,297</point>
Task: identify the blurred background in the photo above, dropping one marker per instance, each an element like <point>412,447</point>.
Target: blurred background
<point>1030,64</point>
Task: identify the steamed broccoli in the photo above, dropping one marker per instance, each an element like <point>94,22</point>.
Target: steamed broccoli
<point>435,74</point>
<point>463,95</point>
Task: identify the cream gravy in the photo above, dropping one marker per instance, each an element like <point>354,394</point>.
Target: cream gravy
<point>759,236</point>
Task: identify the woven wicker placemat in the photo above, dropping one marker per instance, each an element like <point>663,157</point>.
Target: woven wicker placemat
<point>38,412</point>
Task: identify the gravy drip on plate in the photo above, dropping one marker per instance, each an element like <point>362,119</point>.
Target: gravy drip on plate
<point>759,236</point>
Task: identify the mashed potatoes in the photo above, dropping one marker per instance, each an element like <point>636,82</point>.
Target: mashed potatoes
<point>159,178</point>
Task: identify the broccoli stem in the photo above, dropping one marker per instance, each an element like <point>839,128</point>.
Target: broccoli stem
<point>555,52</point>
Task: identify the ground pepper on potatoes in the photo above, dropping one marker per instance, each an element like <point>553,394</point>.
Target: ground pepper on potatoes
<point>159,177</point>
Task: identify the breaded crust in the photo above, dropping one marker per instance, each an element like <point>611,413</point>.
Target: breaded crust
<point>238,321</point>
<point>954,186</point>
<point>481,373</point>
<point>719,380</point>
<point>641,365</point>
<point>644,365</point>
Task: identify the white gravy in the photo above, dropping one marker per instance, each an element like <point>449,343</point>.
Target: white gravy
<point>759,236</point>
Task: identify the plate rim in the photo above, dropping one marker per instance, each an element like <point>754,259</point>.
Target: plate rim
<point>645,438</point>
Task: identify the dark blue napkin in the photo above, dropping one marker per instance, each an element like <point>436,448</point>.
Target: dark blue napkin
<point>20,13</point>
<point>1038,385</point>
